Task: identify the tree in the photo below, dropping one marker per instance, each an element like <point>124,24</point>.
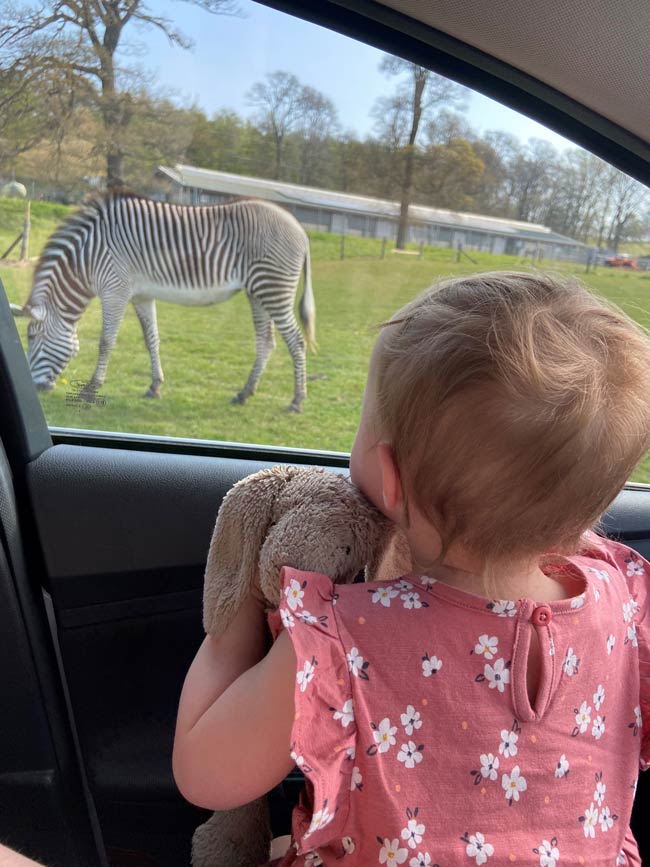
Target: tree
<point>400,117</point>
<point>317,125</point>
<point>82,37</point>
<point>278,101</point>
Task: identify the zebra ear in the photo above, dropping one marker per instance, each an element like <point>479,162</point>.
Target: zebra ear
<point>36,312</point>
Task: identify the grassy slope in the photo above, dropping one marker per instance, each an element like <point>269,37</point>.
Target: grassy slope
<point>207,352</point>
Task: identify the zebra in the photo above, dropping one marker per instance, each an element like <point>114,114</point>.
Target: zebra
<point>122,247</point>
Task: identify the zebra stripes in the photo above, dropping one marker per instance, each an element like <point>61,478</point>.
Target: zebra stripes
<point>123,249</point>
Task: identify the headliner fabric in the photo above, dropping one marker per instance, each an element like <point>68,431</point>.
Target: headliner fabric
<point>595,51</point>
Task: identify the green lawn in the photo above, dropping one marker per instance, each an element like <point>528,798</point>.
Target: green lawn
<point>207,352</point>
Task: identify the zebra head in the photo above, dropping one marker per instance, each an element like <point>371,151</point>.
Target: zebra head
<point>51,343</point>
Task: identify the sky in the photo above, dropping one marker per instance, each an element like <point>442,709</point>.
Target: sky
<point>231,53</point>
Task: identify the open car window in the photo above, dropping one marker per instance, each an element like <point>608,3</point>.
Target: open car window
<point>375,177</point>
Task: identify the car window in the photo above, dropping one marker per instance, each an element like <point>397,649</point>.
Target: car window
<point>234,199</point>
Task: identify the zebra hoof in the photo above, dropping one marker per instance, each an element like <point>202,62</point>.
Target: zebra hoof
<point>294,407</point>
<point>152,392</point>
<point>239,399</point>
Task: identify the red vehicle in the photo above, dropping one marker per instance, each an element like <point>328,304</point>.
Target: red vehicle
<point>621,261</point>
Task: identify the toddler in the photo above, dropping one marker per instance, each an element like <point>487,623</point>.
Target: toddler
<point>493,706</point>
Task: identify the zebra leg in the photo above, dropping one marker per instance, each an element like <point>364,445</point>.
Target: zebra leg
<point>264,346</point>
<point>292,336</point>
<point>146,311</point>
<point>112,315</point>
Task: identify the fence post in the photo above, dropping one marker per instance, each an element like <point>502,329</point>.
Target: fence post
<point>383,248</point>
<point>24,247</point>
<point>460,250</point>
<point>421,250</point>
<point>342,247</point>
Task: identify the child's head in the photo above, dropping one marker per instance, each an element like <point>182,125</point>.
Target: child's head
<point>515,407</point>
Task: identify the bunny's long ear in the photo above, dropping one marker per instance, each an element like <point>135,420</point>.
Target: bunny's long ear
<point>232,569</point>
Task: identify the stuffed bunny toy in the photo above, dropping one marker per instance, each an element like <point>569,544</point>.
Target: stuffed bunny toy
<point>314,520</point>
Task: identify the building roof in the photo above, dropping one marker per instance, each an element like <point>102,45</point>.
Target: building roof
<point>293,194</point>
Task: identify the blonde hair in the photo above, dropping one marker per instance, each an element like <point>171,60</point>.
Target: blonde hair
<point>517,406</point>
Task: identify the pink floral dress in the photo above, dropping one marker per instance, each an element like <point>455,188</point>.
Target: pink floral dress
<point>418,740</point>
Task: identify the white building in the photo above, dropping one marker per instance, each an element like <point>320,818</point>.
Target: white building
<point>342,213</point>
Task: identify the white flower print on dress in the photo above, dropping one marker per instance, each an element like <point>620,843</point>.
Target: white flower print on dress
<point>490,765</point>
<point>427,581</point>
<point>508,745</point>
<point>599,696</point>
<point>287,620</point>
<point>578,601</point>
<point>497,675</point>
<point>638,721</point>
<point>423,859</point>
<point>611,641</point>
<point>430,665</point>
<point>412,600</point>
<point>414,829</point>
<point>305,676</point>
<point>348,845</point>
<point>306,617</point>
<point>634,566</point>
<point>603,574</point>
<point>598,728</point>
<point>356,781</point>
<point>571,663</point>
<point>503,607</point>
<point>383,595</point>
<point>384,735</point>
<point>390,853</point>
<point>590,820</point>
<point>621,860</point>
<point>562,767</point>
<point>487,645</point>
<point>411,719</point>
<point>631,635</point>
<point>294,593</point>
<point>513,784</point>
<point>629,610</point>
<point>599,794</point>
<point>356,663</point>
<point>605,820</point>
<point>346,714</point>
<point>410,754</point>
<point>583,718</point>
<point>596,594</point>
<point>313,859</point>
<point>548,853</point>
<point>477,847</point>
<point>320,819</point>
<point>403,586</point>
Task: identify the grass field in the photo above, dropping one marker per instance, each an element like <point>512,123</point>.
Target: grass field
<point>207,352</point>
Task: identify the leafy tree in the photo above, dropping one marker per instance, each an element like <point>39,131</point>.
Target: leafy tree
<point>82,37</point>
<point>400,117</point>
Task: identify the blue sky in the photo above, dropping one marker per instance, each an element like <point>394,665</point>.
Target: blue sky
<point>232,53</point>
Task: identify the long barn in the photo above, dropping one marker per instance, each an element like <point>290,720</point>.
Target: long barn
<point>342,213</point>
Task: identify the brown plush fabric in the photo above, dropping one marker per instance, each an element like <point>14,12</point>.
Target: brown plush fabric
<point>308,518</point>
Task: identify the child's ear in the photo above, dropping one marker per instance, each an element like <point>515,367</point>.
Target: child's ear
<point>391,482</point>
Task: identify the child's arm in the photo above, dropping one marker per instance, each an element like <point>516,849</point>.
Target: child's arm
<point>235,717</point>
<point>9,858</point>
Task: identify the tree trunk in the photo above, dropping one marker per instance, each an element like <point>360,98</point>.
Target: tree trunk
<point>113,116</point>
<point>420,78</point>
<point>407,183</point>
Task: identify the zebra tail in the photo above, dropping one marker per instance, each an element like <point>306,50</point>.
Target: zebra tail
<point>307,306</point>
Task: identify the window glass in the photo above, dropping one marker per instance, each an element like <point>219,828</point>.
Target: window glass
<point>397,176</point>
